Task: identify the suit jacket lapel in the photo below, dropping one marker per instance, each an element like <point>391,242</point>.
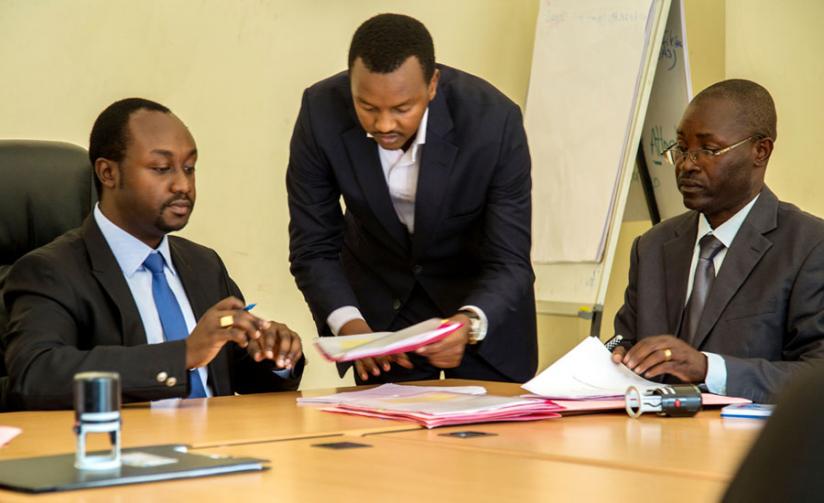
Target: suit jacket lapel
<point>677,259</point>
<point>366,164</point>
<point>108,273</point>
<point>745,252</point>
<point>436,164</point>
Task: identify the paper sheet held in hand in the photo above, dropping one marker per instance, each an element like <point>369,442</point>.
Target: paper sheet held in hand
<point>587,372</point>
<point>344,348</point>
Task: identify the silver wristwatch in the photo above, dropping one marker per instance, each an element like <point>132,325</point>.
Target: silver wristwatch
<point>477,331</point>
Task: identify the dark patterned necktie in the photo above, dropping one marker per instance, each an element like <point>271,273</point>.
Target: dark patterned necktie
<point>701,285</point>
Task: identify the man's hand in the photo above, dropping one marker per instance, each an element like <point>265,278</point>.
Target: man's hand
<point>208,337</point>
<point>277,343</point>
<point>448,352</point>
<point>366,366</point>
<point>649,358</point>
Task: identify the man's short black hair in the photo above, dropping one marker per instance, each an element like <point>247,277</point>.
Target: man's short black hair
<point>756,108</point>
<point>110,133</point>
<point>385,41</point>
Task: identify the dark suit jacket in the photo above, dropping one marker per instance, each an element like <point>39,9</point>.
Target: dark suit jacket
<point>472,216</point>
<point>765,312</point>
<point>71,311</point>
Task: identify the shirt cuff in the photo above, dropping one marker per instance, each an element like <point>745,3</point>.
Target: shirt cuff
<point>716,374</point>
<point>283,373</point>
<point>482,317</point>
<point>341,316</point>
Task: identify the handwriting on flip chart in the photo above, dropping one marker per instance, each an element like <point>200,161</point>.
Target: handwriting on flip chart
<point>555,16</point>
<point>670,47</point>
<point>658,142</point>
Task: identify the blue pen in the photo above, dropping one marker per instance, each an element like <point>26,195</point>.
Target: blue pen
<point>249,307</point>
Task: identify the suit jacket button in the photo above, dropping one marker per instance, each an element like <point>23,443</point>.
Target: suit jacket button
<point>170,382</point>
<point>417,269</point>
<point>396,304</point>
<point>161,376</point>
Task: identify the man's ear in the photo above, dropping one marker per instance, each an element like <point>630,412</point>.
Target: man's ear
<point>433,84</point>
<point>108,172</point>
<point>763,150</point>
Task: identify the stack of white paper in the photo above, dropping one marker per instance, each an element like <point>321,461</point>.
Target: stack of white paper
<point>587,380</point>
<point>346,348</point>
<point>587,372</point>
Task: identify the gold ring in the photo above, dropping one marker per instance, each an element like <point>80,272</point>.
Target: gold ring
<point>227,321</point>
<point>667,354</point>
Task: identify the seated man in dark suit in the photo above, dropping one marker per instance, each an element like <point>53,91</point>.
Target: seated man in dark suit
<point>729,294</point>
<point>118,294</point>
<point>433,166</point>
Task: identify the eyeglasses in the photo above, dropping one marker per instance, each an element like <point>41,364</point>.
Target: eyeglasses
<point>676,155</point>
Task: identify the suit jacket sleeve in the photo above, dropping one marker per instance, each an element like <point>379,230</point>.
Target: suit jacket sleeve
<point>759,379</point>
<point>625,320</point>
<point>316,224</point>
<point>506,276</point>
<point>45,347</point>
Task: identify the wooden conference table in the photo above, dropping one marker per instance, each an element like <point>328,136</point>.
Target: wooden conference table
<point>606,456</point>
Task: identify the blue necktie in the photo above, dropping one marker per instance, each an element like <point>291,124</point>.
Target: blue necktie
<point>171,317</point>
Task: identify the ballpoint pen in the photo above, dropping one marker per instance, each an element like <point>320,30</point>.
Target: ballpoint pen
<point>614,342</point>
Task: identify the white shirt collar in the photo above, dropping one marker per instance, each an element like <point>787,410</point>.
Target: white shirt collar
<point>129,251</point>
<point>420,139</point>
<point>725,232</point>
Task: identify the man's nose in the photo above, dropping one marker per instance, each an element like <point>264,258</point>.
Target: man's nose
<point>384,123</point>
<point>181,181</point>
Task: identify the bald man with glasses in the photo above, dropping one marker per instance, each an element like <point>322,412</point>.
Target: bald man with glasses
<point>729,295</point>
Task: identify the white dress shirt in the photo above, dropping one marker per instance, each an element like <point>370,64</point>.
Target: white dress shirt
<point>716,367</point>
<point>130,253</point>
<point>400,169</point>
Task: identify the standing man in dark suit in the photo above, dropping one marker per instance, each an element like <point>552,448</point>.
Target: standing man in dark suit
<point>731,293</point>
<point>119,294</point>
<point>433,167</point>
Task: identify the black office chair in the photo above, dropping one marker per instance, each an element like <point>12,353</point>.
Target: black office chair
<point>46,188</point>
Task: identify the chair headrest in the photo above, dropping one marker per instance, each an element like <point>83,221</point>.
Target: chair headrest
<point>46,189</point>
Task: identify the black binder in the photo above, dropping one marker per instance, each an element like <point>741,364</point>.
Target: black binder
<point>139,464</point>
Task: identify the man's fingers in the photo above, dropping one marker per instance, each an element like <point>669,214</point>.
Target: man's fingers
<point>370,366</point>
<point>229,303</point>
<point>384,362</point>
<point>284,347</point>
<point>236,335</point>
<point>255,348</point>
<point>661,369</point>
<point>240,320</point>
<point>618,354</point>
<point>403,360</point>
<point>447,359</point>
<point>447,343</point>
<point>646,347</point>
<point>361,371</point>
<point>296,350</point>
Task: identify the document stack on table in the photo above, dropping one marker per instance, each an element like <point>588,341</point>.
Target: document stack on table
<point>432,407</point>
<point>587,380</point>
<point>345,348</point>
